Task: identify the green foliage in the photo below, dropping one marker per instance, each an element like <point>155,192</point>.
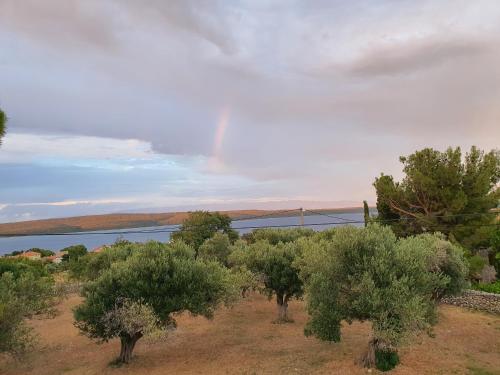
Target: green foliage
<point>490,288</point>
<point>386,360</point>
<point>3,122</point>
<point>495,249</point>
<point>91,265</point>
<point>166,281</point>
<point>24,291</point>
<point>20,266</point>
<point>216,248</point>
<point>444,263</point>
<point>275,266</point>
<point>42,252</point>
<point>476,265</point>
<point>366,213</point>
<point>440,192</point>
<point>367,274</point>
<point>277,235</point>
<point>202,225</point>
<point>74,252</point>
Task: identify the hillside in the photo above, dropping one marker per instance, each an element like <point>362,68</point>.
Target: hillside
<point>122,221</point>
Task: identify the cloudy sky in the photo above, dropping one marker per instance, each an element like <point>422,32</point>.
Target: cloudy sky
<point>123,105</point>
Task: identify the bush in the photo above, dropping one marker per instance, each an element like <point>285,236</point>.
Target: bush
<point>20,266</point>
<point>275,236</point>
<point>73,252</point>
<point>386,360</point>
<point>26,289</point>
<point>490,288</point>
<point>476,265</point>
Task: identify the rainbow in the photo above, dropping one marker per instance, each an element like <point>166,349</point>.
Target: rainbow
<point>219,133</point>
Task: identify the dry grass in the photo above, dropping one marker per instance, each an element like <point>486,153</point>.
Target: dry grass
<point>242,340</point>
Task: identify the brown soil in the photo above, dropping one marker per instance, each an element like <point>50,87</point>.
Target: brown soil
<point>243,340</point>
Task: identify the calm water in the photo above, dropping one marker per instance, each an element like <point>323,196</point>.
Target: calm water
<point>94,239</point>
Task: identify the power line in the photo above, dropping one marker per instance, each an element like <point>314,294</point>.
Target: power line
<point>270,214</point>
<point>330,216</point>
<point>235,228</point>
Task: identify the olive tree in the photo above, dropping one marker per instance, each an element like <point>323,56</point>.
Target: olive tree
<point>24,291</point>
<point>216,248</point>
<point>368,275</point>
<point>140,294</point>
<point>277,235</point>
<point>199,226</point>
<point>274,265</point>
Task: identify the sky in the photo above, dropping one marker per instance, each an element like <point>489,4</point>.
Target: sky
<point>151,105</point>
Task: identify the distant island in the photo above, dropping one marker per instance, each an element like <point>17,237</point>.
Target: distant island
<point>136,220</point>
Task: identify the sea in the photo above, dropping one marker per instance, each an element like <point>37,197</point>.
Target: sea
<point>96,239</point>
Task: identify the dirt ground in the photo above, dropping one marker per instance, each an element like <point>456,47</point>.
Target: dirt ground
<point>242,340</point>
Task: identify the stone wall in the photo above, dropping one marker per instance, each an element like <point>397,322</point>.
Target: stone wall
<point>476,300</point>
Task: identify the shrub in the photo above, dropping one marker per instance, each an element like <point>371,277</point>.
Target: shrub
<point>74,252</point>
<point>23,293</point>
<point>490,288</point>
<point>20,266</point>
<point>275,236</point>
<point>476,265</point>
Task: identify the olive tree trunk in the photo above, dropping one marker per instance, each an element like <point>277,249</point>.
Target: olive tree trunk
<point>376,345</point>
<point>282,304</point>
<point>127,347</point>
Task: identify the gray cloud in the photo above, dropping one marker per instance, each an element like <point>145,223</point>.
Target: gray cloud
<point>315,90</point>
<point>416,56</point>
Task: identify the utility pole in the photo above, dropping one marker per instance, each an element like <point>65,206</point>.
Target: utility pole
<point>301,217</point>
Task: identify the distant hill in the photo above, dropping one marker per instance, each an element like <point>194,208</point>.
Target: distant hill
<point>130,220</point>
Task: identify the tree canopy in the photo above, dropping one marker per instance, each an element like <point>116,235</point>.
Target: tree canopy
<point>74,252</point>
<point>3,122</point>
<point>26,289</point>
<point>275,264</point>
<point>441,192</point>
<point>277,235</point>
<point>158,281</point>
<point>202,225</point>
<point>367,274</point>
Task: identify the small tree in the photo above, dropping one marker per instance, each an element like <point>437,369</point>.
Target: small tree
<point>24,292</point>
<point>74,252</point>
<point>366,274</point>
<point>158,281</point>
<point>366,213</point>
<point>275,266</point>
<point>3,122</point>
<point>202,225</point>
